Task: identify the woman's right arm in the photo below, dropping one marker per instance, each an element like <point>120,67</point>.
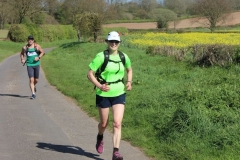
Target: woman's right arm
<point>22,55</point>
<point>92,78</point>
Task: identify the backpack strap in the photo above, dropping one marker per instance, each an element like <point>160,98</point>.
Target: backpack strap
<point>105,62</point>
<point>122,57</point>
<point>102,68</point>
<point>106,59</point>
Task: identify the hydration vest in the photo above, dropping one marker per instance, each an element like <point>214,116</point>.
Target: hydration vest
<point>105,62</point>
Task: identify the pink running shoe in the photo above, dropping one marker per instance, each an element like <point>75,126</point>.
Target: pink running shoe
<point>99,146</point>
<point>117,156</point>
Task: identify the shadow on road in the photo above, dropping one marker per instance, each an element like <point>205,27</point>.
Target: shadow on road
<point>14,95</point>
<point>67,149</point>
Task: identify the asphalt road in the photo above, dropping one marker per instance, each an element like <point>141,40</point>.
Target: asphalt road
<point>51,127</point>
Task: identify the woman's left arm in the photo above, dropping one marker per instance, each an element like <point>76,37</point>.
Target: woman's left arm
<point>39,48</point>
<point>129,79</point>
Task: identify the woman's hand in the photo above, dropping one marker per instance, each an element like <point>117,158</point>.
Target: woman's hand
<point>36,59</point>
<point>129,86</point>
<point>104,87</point>
<point>23,61</point>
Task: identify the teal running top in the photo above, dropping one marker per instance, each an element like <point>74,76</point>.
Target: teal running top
<point>31,54</point>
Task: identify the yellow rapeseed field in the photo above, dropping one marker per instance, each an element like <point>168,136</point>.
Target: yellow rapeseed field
<point>182,40</point>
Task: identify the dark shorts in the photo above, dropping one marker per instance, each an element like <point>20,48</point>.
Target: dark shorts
<point>33,71</point>
<point>106,102</point>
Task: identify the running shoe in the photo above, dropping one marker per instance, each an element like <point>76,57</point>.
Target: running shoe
<point>35,89</point>
<point>99,146</point>
<point>117,156</point>
<point>33,96</point>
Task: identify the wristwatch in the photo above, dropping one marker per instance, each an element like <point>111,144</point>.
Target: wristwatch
<point>39,57</point>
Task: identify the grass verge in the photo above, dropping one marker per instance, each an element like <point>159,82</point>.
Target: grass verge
<point>8,48</point>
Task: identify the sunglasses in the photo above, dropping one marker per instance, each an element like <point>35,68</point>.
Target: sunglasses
<point>114,41</point>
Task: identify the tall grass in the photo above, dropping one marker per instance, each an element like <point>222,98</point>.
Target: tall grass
<point>175,110</point>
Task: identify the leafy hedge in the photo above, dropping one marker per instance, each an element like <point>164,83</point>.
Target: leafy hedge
<point>202,55</point>
<point>46,33</point>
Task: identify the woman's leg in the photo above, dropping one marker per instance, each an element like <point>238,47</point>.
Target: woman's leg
<point>31,84</point>
<point>36,76</point>
<point>118,112</point>
<point>30,70</point>
<point>103,113</point>
<point>35,81</point>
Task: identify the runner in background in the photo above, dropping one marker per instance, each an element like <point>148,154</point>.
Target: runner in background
<point>33,53</point>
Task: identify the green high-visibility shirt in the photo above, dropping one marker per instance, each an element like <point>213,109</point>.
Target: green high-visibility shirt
<point>109,74</point>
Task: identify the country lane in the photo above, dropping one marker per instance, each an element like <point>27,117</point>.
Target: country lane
<point>51,127</point>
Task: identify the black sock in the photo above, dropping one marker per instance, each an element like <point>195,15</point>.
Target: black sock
<point>100,137</point>
<point>115,150</point>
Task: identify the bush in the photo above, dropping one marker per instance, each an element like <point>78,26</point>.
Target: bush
<point>47,33</point>
<point>162,23</point>
<point>236,56</point>
<point>209,55</point>
<point>18,33</point>
<point>201,55</point>
<point>179,54</point>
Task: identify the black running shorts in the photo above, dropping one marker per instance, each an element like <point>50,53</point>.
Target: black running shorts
<point>106,102</point>
<point>33,71</point>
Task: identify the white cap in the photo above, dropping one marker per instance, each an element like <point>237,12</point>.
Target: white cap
<point>113,36</point>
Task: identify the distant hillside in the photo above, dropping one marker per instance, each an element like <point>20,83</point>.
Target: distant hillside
<point>231,19</point>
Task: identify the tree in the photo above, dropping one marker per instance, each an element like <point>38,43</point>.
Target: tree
<point>51,6</point>
<point>142,14</point>
<point>235,4</point>
<point>169,15</point>
<point>88,24</point>
<point>148,5</point>
<point>163,16</point>
<point>213,10</point>
<point>23,8</point>
<point>116,1</point>
<point>178,6</point>
<point>70,8</point>
<point>4,12</point>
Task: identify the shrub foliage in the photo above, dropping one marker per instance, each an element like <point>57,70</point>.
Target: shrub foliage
<point>202,55</point>
<point>46,33</point>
